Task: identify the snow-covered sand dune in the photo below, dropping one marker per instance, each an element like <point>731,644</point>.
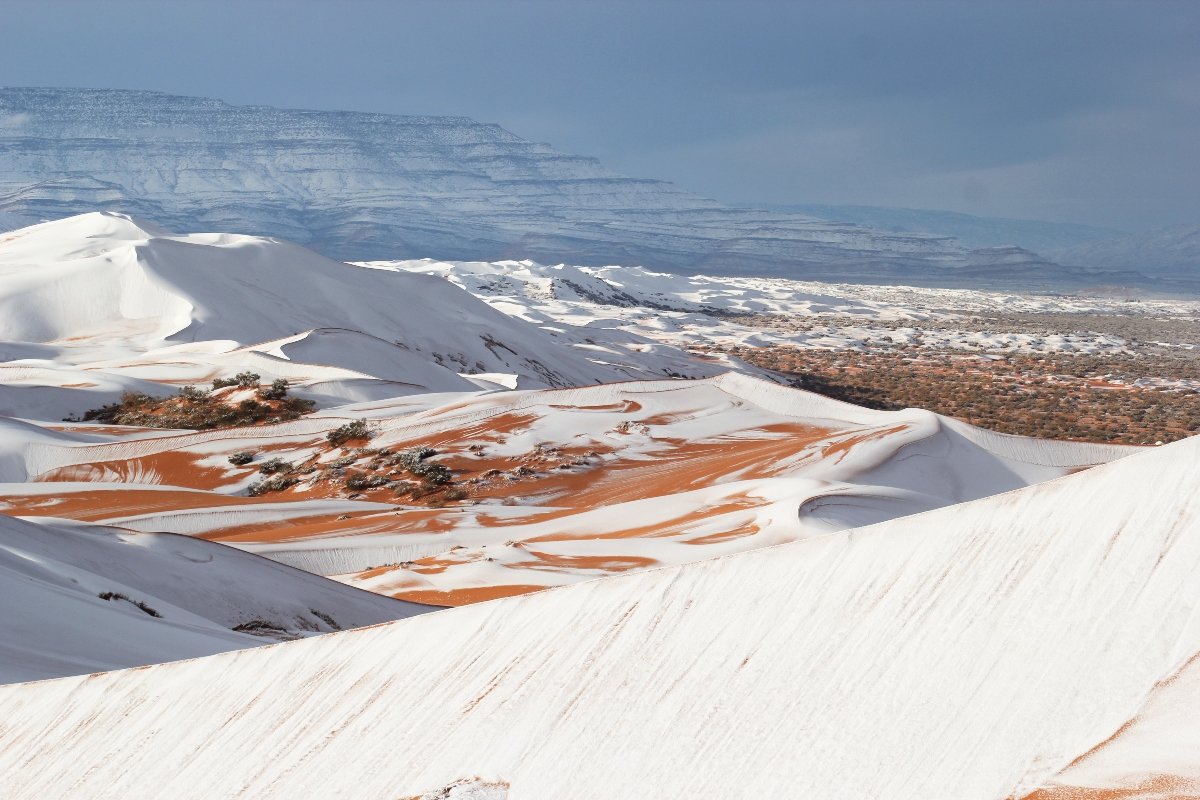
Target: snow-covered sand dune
<point>556,486</point>
<point>81,598</point>
<point>102,304</point>
<point>1038,641</point>
<point>823,667</point>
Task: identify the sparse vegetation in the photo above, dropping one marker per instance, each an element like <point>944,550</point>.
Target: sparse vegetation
<point>241,459</point>
<point>273,466</point>
<point>244,380</point>
<point>431,472</point>
<point>261,627</point>
<point>328,620</point>
<point>193,394</point>
<point>1054,396</point>
<point>276,391</point>
<point>276,483</point>
<point>351,431</point>
<point>360,482</point>
<point>366,469</point>
<point>197,409</point>
<point>136,603</point>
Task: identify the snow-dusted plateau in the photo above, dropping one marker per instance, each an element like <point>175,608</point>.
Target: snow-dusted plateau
<point>379,186</point>
<point>242,483</point>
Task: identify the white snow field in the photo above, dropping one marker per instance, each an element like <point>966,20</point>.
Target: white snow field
<point>693,310</point>
<point>1041,641</point>
<point>102,303</point>
<point>81,598</point>
<point>549,486</point>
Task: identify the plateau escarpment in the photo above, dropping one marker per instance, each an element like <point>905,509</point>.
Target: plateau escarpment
<point>374,186</point>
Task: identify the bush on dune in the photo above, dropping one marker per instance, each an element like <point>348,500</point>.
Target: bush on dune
<point>196,409</point>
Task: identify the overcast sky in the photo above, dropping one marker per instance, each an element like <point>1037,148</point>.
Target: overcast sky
<point>1082,111</point>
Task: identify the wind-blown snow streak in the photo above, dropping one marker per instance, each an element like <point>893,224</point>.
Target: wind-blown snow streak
<point>971,653</point>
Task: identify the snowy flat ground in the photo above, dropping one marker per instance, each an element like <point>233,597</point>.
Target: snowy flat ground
<point>689,311</point>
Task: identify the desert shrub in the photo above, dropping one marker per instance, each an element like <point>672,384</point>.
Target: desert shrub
<point>193,394</point>
<point>242,458</point>
<point>245,380</point>
<point>328,620</point>
<point>249,406</point>
<point>260,627</point>
<point>295,406</point>
<point>415,461</point>
<point>274,465</point>
<point>413,456</point>
<point>276,391</point>
<point>433,473</point>
<point>358,429</point>
<point>422,490</point>
<point>276,483</point>
<point>359,482</point>
<point>138,603</point>
<point>195,409</point>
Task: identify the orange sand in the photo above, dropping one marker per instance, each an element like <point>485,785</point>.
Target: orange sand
<point>1163,787</point>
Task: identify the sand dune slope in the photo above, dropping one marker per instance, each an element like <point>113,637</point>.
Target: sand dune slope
<point>555,486</point>
<point>79,598</point>
<point>109,294</point>
<point>970,652</point>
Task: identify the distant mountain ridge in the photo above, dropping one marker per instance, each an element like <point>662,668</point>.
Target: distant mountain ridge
<point>361,186</point>
<point>366,186</point>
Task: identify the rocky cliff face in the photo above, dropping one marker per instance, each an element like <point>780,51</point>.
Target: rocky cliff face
<point>374,186</point>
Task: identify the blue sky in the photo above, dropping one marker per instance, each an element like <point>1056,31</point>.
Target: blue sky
<point>1085,111</point>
